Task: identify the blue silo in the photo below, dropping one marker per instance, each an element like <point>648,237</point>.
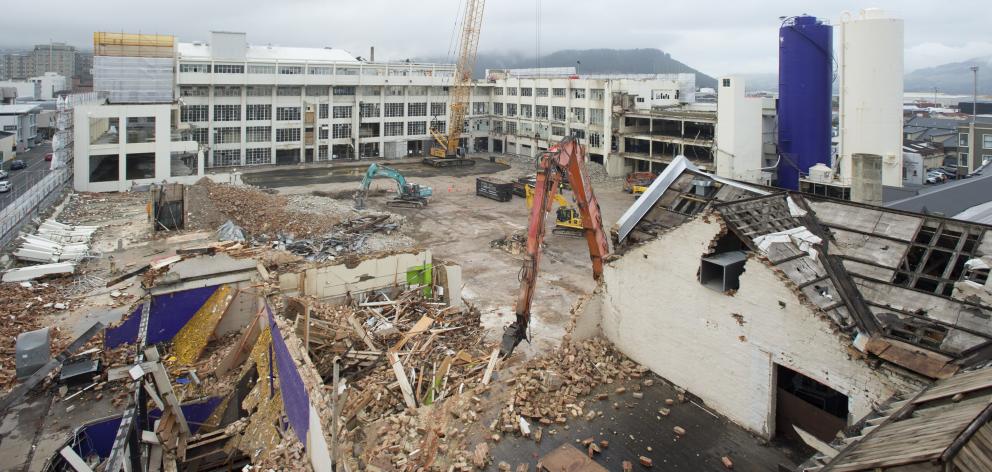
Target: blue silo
<point>805,78</point>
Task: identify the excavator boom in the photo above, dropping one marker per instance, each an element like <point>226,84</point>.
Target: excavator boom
<point>567,157</point>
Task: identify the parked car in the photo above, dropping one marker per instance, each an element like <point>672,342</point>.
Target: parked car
<point>933,178</point>
<point>3,174</point>
<point>48,157</point>
<point>5,186</point>
<point>17,164</point>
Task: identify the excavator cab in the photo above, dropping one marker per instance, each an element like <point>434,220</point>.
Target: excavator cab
<point>568,222</point>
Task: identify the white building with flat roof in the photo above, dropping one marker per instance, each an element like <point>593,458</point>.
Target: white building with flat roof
<point>22,120</point>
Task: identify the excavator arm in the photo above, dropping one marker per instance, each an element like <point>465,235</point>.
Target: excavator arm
<point>567,157</point>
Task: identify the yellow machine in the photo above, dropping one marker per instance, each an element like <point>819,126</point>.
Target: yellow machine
<point>637,190</point>
<point>445,151</point>
<point>568,220</point>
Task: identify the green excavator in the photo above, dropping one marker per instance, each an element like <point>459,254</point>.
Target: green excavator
<point>409,195</point>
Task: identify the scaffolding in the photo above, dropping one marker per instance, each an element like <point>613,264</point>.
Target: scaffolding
<point>134,68</point>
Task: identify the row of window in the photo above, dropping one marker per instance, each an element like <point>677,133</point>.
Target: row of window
<point>595,94</point>
<point>963,140</point>
<point>526,129</point>
<point>309,90</point>
<point>300,69</point>
<point>256,112</point>
<point>263,134</point>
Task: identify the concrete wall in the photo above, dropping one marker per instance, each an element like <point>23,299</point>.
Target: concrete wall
<point>8,146</point>
<point>656,312</point>
<point>335,281</point>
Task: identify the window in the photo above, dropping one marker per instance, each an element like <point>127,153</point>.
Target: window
<point>342,112</point>
<point>438,109</point>
<point>558,92</point>
<point>416,109</point>
<point>318,90</point>
<point>287,113</point>
<point>368,150</point>
<point>498,126</point>
<point>394,91</point>
<point>368,130</point>
<point>541,111</point>
<point>139,165</point>
<point>260,91</point>
<point>558,130</point>
<point>258,134</point>
<point>526,92</point>
<point>416,91</point>
<point>227,157</point>
<point>188,113</point>
<point>366,110</point>
<point>371,91</point>
<point>339,131</point>
<point>577,133</point>
<point>347,71</point>
<point>579,114</point>
<point>596,116</point>
<point>322,153</point>
<point>323,132</point>
<point>578,93</point>
<point>320,70</point>
<point>259,112</point>
<point>497,90</point>
<point>141,130</point>
<point>498,108</point>
<point>439,126</point>
<point>511,91</point>
<point>558,113</point>
<point>227,135</point>
<point>291,70</point>
<point>479,108</point>
<point>526,111</point>
<point>595,140</point>
<point>261,69</point>
<point>511,109</point>
<point>323,111</point>
<point>284,135</point>
<point>289,91</point>
<point>194,91</point>
<point>640,99</point>
<point>726,82</point>
<point>227,112</point>
<point>597,94</point>
<point>344,90</point>
<point>393,129</point>
<point>229,91</point>
<point>963,140</point>
<point>200,135</point>
<point>104,168</point>
<point>258,156</point>
<point>183,163</point>
<point>511,127</point>
<point>394,110</point>
<point>415,128</point>
<point>541,92</point>
<point>229,69</point>
<point>197,68</point>
<point>987,141</point>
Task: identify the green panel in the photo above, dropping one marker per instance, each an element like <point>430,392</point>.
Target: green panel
<point>420,275</point>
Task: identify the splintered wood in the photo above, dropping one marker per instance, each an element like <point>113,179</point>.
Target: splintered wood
<point>395,353</point>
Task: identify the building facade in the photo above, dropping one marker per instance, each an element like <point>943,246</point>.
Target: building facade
<point>975,142</point>
<point>22,121</point>
<point>18,66</point>
<point>54,57</point>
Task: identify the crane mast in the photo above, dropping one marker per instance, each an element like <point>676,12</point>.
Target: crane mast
<point>445,152</point>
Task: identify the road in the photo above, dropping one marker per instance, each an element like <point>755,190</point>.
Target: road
<point>23,179</point>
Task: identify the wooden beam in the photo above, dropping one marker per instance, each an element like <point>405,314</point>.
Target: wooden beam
<point>405,386</point>
<point>493,358</point>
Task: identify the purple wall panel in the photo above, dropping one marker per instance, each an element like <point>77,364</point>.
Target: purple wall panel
<point>169,313</point>
<point>295,400</point>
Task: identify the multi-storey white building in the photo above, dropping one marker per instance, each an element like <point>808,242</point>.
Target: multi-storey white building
<point>254,105</point>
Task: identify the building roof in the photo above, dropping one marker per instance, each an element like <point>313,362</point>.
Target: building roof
<point>19,109</point>
<point>949,198</point>
<point>200,50</point>
<point>5,134</point>
<point>926,122</point>
<point>944,424</point>
<point>895,284</point>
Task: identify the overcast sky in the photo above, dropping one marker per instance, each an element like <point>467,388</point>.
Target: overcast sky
<point>716,37</point>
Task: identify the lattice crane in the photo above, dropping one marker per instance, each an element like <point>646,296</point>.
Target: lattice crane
<point>445,151</point>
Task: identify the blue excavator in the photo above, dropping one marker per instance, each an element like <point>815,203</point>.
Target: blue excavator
<point>409,195</point>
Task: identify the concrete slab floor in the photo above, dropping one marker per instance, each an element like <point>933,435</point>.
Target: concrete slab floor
<point>633,425</point>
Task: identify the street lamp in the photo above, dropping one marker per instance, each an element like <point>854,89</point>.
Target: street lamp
<point>974,93</point>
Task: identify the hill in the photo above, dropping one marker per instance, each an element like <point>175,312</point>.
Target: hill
<point>955,77</point>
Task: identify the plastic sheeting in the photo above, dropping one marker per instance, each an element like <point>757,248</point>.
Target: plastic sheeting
<point>134,79</point>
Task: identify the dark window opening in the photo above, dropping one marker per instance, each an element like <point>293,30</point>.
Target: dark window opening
<point>722,271</point>
<point>287,156</point>
<point>597,158</point>
<point>104,168</point>
<point>140,165</point>
<point>809,405</point>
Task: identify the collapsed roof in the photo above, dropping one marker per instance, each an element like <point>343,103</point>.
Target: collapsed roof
<point>908,289</point>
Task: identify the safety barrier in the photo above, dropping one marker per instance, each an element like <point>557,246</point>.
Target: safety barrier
<point>31,202</point>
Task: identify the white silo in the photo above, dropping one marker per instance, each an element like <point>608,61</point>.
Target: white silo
<point>870,67</point>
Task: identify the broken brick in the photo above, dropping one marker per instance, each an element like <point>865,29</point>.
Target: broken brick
<point>645,461</point>
<point>727,463</point>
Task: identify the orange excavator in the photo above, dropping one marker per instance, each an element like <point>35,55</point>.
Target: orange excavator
<point>567,158</point>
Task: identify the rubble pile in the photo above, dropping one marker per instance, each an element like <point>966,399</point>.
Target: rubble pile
<point>440,351</point>
<point>549,389</point>
<point>597,174</point>
<point>25,307</point>
<point>515,243</point>
<point>268,213</point>
<point>90,208</point>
